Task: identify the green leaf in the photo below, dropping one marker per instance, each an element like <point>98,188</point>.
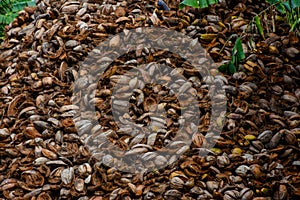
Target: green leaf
<point>31,4</point>
<point>280,7</point>
<point>237,56</point>
<point>8,19</point>
<point>228,68</point>
<point>203,3</point>
<point>224,68</point>
<point>232,68</point>
<point>240,52</point>
<point>181,6</point>
<point>211,2</point>
<point>192,3</point>
<point>295,3</point>
<point>272,1</point>
<point>287,6</point>
<point>233,55</point>
<point>2,19</point>
<point>13,16</point>
<point>197,3</point>
<point>18,6</point>
<point>259,26</point>
<point>9,10</point>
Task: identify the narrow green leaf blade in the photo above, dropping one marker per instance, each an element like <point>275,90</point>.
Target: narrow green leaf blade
<point>232,68</point>
<point>295,25</point>
<point>240,52</point>
<point>259,26</point>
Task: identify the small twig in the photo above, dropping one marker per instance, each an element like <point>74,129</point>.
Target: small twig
<point>231,36</point>
<point>295,148</point>
<point>266,22</point>
<point>2,117</point>
<point>273,21</point>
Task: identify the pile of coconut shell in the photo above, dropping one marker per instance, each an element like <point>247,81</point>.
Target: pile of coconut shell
<point>43,146</point>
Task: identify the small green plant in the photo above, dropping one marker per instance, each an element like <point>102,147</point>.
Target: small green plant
<point>9,10</point>
<point>197,3</point>
<point>291,9</point>
<point>237,56</point>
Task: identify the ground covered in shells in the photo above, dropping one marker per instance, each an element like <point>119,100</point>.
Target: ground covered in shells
<point>48,151</point>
